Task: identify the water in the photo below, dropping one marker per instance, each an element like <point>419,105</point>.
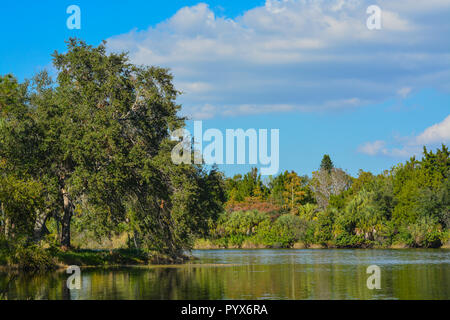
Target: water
<point>254,274</point>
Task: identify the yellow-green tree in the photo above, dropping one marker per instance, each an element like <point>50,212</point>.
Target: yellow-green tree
<point>293,191</point>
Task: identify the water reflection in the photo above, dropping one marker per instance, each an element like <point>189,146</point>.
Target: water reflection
<point>254,274</point>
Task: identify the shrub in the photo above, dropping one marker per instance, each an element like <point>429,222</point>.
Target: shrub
<point>289,229</point>
<point>284,232</point>
<point>252,204</point>
<point>346,240</point>
<point>424,233</point>
<point>236,240</point>
<point>432,239</point>
<point>308,236</point>
<point>5,251</point>
<point>32,258</point>
<point>239,224</point>
<point>324,227</point>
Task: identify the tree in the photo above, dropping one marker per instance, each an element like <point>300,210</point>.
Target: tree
<point>328,181</point>
<point>325,184</point>
<point>361,216</point>
<point>417,185</point>
<point>249,186</point>
<point>326,163</point>
<point>293,190</point>
<point>277,188</point>
<point>99,139</point>
<point>19,201</point>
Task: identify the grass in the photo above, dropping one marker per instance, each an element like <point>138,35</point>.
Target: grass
<point>33,259</point>
<point>86,257</point>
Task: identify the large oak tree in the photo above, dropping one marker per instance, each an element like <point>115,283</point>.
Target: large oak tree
<point>98,137</point>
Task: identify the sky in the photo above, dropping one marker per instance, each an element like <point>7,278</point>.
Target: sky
<point>312,69</point>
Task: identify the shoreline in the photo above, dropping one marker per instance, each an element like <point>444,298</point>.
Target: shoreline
<point>86,258</point>
<point>188,260</point>
<point>301,246</point>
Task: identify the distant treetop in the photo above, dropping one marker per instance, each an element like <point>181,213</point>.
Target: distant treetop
<point>326,163</point>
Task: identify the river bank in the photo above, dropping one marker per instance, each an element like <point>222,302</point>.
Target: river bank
<point>36,259</point>
<point>206,244</point>
<point>51,259</point>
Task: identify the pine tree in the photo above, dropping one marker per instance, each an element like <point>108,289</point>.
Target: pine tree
<point>326,163</point>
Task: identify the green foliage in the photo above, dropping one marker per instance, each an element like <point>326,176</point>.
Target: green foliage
<point>233,229</point>
<point>409,205</point>
<point>32,258</point>
<point>103,257</point>
<point>287,230</point>
<point>351,241</point>
<point>239,224</point>
<point>326,163</point>
<point>94,144</point>
<point>241,187</point>
<point>5,251</point>
<point>323,232</point>
<point>421,188</point>
<point>425,233</point>
<point>308,211</point>
<point>19,199</point>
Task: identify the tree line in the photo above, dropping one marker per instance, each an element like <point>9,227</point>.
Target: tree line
<point>408,205</point>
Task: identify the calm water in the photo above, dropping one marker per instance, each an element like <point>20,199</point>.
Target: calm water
<point>255,274</point>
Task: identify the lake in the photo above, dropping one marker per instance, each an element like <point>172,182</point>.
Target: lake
<point>254,274</point>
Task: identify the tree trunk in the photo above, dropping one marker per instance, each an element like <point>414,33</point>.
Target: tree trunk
<point>40,229</point>
<point>7,223</point>
<point>134,240</point>
<point>4,229</point>
<point>66,219</point>
<point>292,200</point>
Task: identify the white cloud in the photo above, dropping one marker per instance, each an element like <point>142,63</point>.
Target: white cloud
<point>433,135</point>
<point>296,55</point>
<point>208,111</point>
<point>392,21</point>
<point>438,133</point>
<point>404,92</point>
<point>372,148</point>
<point>195,87</point>
<point>409,6</point>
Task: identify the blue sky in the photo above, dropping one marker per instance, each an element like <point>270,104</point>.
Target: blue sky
<point>312,69</point>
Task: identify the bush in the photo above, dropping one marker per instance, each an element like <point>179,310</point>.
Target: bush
<point>289,229</point>
<point>351,241</point>
<point>25,256</point>
<point>424,233</point>
<point>258,228</point>
<point>32,258</point>
<point>5,251</point>
<point>324,227</point>
<point>103,257</point>
<point>432,240</point>
<point>236,240</point>
<point>308,236</point>
<point>404,237</point>
<point>239,224</point>
<point>284,232</point>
